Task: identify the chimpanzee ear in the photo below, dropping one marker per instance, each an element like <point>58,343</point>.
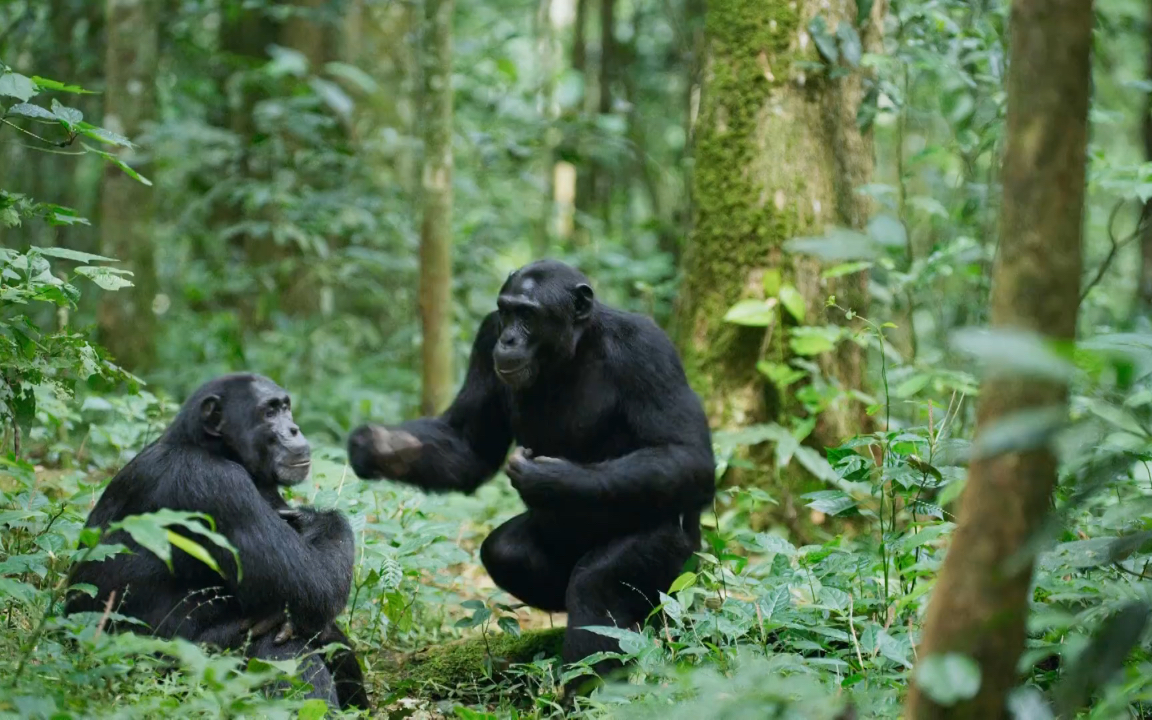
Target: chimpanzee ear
<point>212,415</point>
<point>584,298</point>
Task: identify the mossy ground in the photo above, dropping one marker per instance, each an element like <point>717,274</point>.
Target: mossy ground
<point>440,669</point>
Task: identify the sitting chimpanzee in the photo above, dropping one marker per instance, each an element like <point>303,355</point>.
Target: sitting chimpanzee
<point>227,452</point>
<point>615,460</point>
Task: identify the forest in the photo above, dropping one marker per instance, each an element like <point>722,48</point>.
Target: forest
<point>896,255</point>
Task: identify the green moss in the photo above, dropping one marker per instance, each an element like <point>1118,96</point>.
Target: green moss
<point>737,227</point>
<point>442,668</point>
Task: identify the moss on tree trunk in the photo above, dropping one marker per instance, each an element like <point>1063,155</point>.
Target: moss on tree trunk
<point>778,155</point>
<point>980,602</point>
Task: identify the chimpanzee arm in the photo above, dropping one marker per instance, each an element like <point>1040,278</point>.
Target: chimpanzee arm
<point>673,468</point>
<point>279,568</point>
<point>457,451</point>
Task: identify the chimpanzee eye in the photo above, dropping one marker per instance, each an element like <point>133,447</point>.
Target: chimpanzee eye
<point>270,411</point>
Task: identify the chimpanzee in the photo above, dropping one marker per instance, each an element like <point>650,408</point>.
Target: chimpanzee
<point>615,460</point>
<point>230,448</point>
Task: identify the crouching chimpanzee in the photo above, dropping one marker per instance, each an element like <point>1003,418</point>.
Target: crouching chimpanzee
<point>615,460</point>
<point>226,454</point>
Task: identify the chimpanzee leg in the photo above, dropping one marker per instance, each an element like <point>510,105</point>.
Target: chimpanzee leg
<point>311,669</point>
<point>521,561</point>
<point>345,669</point>
<point>619,583</point>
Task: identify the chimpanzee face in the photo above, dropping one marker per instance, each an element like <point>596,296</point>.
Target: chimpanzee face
<point>255,421</point>
<point>542,310</point>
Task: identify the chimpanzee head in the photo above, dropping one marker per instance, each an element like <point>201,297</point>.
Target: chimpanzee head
<point>543,308</point>
<point>247,418</point>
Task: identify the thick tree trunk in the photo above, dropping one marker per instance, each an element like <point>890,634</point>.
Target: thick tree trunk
<point>436,234</point>
<point>126,319</point>
<point>979,605</point>
<point>778,154</point>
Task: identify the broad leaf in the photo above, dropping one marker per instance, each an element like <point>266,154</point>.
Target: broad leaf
<point>17,86</point>
<point>752,313</point>
<point>825,43</point>
<point>76,255</point>
<point>830,502</point>
<point>106,277</point>
<point>948,678</point>
<point>31,111</point>
<point>793,302</point>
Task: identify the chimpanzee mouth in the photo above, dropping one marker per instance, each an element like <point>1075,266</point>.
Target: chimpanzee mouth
<point>515,376</point>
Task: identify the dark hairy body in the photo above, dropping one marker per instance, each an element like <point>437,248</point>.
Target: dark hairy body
<point>226,454</point>
<point>614,461</point>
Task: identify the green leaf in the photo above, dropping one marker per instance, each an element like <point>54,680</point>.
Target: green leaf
<point>948,678</point>
<point>70,117</point>
<point>912,385</point>
<point>31,111</point>
<point>105,136</point>
<point>772,281</point>
<point>836,245</point>
<point>194,549</point>
<point>814,340</point>
<point>752,313</point>
<point>863,11</point>
<point>106,277</point>
<point>825,43</point>
<point>830,502</point>
<point>815,463</point>
<point>1014,351</point>
<point>888,231</point>
<point>354,75</point>
<point>314,709</point>
<point>46,84</point>
<point>76,255</point>
<point>509,625</point>
<point>120,164</point>
<point>507,68</point>
<point>17,86</point>
<point>472,605</point>
<point>845,269</point>
<point>683,582</point>
<point>793,302</point>
<point>851,49</point>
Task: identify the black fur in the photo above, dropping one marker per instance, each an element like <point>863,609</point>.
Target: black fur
<point>617,464</point>
<point>230,447</point>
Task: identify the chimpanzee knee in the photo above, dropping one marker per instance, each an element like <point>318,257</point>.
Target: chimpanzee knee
<point>518,565</point>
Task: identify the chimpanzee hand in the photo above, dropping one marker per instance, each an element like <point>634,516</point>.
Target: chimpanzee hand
<point>538,479</point>
<point>279,622</point>
<point>375,451</point>
<point>299,518</point>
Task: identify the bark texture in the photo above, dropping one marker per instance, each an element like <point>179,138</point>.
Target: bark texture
<point>778,155</point>
<point>126,319</point>
<point>980,604</point>
<point>436,233</point>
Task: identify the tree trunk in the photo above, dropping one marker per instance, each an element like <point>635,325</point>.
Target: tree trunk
<point>979,605</point>
<point>1144,287</point>
<point>778,154</point>
<point>436,234</point>
<point>126,319</point>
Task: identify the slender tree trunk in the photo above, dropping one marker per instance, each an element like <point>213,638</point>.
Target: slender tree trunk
<point>436,234</point>
<point>546,54</point>
<point>126,319</point>
<point>1145,284</point>
<point>980,603</point>
<point>778,154</point>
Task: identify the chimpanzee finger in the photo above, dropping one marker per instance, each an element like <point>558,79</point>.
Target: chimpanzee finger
<point>287,632</point>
